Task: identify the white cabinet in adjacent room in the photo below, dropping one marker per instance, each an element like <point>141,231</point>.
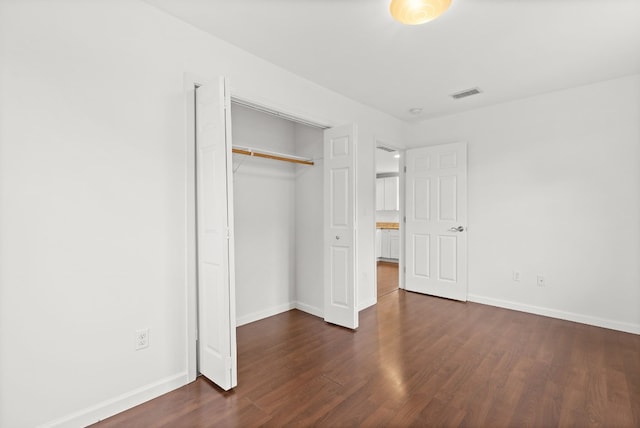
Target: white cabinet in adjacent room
<point>391,193</point>
<point>379,194</point>
<point>388,243</point>
<point>387,195</point>
<point>394,244</point>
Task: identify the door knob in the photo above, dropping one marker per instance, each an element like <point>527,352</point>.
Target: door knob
<point>457,229</point>
<point>337,237</point>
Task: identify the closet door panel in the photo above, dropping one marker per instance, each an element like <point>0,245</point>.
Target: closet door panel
<point>216,287</point>
<point>340,305</point>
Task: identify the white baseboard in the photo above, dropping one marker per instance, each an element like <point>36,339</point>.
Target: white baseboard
<point>553,313</point>
<point>265,313</point>
<point>119,404</point>
<point>310,309</point>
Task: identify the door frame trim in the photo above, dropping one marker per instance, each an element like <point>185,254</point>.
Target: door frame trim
<point>401,196</point>
<point>191,82</point>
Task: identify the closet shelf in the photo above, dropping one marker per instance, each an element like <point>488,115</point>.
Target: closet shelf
<point>248,151</point>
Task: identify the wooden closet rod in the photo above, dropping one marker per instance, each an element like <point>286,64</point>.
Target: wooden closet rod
<point>270,155</point>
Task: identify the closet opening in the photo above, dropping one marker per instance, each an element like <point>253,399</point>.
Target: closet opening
<point>388,242</point>
<point>278,213</point>
<point>258,222</point>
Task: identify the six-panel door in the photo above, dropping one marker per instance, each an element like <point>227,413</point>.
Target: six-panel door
<point>436,220</point>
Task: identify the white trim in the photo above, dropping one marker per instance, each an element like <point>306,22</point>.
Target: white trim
<point>375,221</point>
<point>119,403</point>
<point>190,82</point>
<point>265,313</point>
<point>554,313</point>
<point>401,213</point>
<point>318,312</point>
<point>231,241</point>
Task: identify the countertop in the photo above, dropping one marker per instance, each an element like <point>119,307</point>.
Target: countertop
<point>384,225</point>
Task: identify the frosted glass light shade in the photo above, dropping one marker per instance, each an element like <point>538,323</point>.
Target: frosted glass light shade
<point>414,12</point>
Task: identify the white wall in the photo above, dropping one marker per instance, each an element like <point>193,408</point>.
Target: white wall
<point>264,193</point>
<point>554,189</point>
<point>92,197</point>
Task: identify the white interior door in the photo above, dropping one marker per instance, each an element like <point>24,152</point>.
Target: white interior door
<point>436,220</point>
<point>215,267</point>
<point>340,302</point>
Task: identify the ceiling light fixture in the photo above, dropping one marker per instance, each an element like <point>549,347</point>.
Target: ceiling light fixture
<point>414,12</point>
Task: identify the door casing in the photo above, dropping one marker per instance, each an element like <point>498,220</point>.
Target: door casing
<point>401,202</point>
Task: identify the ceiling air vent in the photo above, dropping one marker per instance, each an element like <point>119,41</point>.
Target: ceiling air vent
<point>386,149</point>
<point>465,93</point>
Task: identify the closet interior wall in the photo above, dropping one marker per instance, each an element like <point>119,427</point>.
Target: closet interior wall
<point>278,217</point>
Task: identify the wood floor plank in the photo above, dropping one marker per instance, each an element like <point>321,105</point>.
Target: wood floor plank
<point>388,277</point>
<point>415,361</point>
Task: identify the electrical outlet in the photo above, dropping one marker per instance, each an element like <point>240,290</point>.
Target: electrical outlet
<point>541,281</point>
<point>516,275</point>
<point>141,339</point>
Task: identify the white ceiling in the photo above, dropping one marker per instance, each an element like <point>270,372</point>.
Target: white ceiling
<point>510,49</point>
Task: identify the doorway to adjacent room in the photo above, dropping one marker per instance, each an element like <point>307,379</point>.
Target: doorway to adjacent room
<point>387,219</point>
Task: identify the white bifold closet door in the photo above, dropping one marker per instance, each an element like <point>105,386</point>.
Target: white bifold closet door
<point>216,282</point>
<point>340,298</point>
<point>436,220</point>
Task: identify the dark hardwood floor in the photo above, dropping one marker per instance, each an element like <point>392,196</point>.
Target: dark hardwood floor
<point>415,361</point>
<point>387,278</point>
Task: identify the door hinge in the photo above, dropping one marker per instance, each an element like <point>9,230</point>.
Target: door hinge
<point>404,219</point>
<point>405,168</point>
